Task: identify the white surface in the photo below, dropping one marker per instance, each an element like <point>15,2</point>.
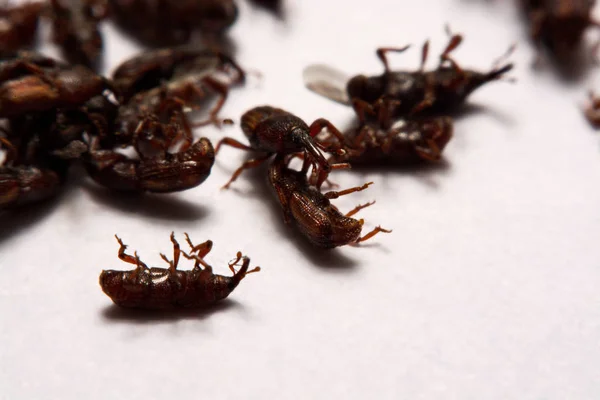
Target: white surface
<point>487,288</point>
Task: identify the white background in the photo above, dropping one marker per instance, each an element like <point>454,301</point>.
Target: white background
<point>488,288</point>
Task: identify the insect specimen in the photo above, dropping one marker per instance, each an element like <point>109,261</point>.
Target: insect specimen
<point>312,212</point>
<point>168,22</point>
<point>18,26</point>
<point>75,28</point>
<point>438,91</point>
<point>42,89</point>
<point>272,130</point>
<point>23,182</point>
<point>389,141</point>
<point>150,69</point>
<point>161,172</point>
<point>168,288</point>
<point>559,25</point>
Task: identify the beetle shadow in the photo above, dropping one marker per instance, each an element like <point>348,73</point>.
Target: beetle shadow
<point>116,314</point>
<point>275,7</point>
<point>472,109</point>
<point>157,206</point>
<point>18,220</point>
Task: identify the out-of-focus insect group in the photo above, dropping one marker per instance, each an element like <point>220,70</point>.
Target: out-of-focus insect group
<point>59,113</point>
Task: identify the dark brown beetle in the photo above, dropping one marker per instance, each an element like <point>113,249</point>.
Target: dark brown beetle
<point>24,182</point>
<point>168,22</point>
<point>389,141</point>
<point>75,27</point>
<point>44,89</point>
<point>18,26</point>
<point>559,25</point>
<point>159,173</point>
<point>162,289</point>
<point>312,212</point>
<point>150,69</point>
<point>272,130</point>
<point>438,91</point>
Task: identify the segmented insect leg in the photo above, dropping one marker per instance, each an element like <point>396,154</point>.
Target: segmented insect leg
<point>126,257</point>
<point>222,90</point>
<point>233,143</point>
<point>382,54</point>
<point>176,253</point>
<point>198,260</point>
<point>424,55</point>
<point>246,165</point>
<point>373,233</point>
<point>202,249</point>
<point>336,194</point>
<point>358,208</point>
<point>430,153</point>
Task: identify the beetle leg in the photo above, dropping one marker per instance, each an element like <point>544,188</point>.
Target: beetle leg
<point>128,258</point>
<point>372,233</point>
<point>429,153</point>
<point>238,257</point>
<point>358,208</point>
<point>233,143</point>
<point>199,261</point>
<point>222,90</point>
<point>382,54</point>
<point>335,195</point>
<point>247,165</point>
<point>361,108</point>
<point>202,249</point>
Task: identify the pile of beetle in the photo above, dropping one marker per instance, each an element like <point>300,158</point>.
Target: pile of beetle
<point>59,113</point>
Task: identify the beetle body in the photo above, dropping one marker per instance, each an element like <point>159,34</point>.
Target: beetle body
<point>404,143</point>
<point>27,184</point>
<point>446,88</point>
<point>18,26</point>
<point>58,88</point>
<point>272,130</point>
<point>312,212</point>
<point>150,69</point>
<point>559,24</point>
<point>163,289</point>
<point>75,26</point>
<point>167,22</point>
<point>164,173</point>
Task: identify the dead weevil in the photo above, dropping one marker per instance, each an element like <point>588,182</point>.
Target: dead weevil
<point>168,288</point>
<point>159,173</point>
<point>390,141</point>
<point>273,130</point>
<point>18,26</point>
<point>312,212</point>
<point>75,29</point>
<point>559,25</point>
<point>24,182</point>
<point>438,91</point>
<point>150,69</point>
<point>44,89</point>
<point>168,22</point>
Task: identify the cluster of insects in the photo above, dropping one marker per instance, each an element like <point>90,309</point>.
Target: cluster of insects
<point>59,113</point>
<point>403,116</point>
<point>75,24</point>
